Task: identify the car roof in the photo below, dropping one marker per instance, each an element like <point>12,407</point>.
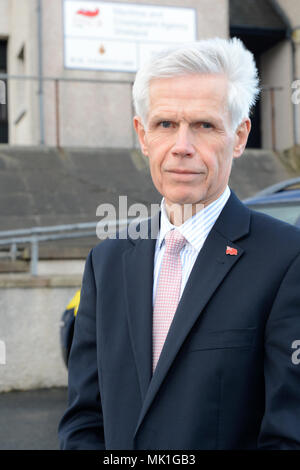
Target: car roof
<point>285,191</point>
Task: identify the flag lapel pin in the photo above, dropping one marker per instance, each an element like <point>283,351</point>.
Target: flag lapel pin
<point>231,251</point>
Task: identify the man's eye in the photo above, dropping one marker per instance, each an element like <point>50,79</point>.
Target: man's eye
<point>166,124</point>
<point>206,125</point>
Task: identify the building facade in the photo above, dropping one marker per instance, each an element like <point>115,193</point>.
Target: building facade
<point>54,103</point>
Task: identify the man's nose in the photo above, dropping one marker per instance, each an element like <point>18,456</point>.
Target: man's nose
<point>183,146</point>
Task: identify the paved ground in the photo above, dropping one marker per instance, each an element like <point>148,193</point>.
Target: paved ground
<point>29,420</point>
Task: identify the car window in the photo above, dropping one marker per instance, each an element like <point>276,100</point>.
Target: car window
<point>291,187</point>
<point>287,213</point>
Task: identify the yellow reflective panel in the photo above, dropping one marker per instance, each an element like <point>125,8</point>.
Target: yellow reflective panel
<point>74,303</point>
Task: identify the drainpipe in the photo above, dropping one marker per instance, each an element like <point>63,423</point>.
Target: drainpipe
<point>295,105</point>
<point>40,72</point>
<point>290,36</point>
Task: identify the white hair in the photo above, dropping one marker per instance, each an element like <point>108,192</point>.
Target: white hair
<point>208,56</point>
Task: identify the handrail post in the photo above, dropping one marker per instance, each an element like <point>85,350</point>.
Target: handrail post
<point>13,251</point>
<point>273,119</point>
<point>34,256</point>
<point>57,116</point>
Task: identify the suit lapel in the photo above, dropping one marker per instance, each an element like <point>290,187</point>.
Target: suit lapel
<point>211,267</point>
<point>138,264</point>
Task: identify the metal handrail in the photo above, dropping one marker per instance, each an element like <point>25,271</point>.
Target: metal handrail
<point>49,229</point>
<point>56,80</point>
<point>7,76</point>
<point>35,235</point>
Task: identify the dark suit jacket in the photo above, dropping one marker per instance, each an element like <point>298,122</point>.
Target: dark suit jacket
<point>225,378</point>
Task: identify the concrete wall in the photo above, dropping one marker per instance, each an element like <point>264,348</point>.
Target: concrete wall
<point>4,18</point>
<point>292,10</point>
<point>30,327</point>
<point>23,94</point>
<point>31,310</point>
<point>276,70</point>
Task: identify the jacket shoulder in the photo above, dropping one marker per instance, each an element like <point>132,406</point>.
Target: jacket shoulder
<point>275,231</point>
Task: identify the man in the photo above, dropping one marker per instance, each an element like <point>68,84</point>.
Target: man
<point>185,340</point>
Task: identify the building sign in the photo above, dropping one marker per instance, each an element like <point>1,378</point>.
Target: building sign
<point>120,36</point>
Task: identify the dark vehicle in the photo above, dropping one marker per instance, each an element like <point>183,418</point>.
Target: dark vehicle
<point>281,200</point>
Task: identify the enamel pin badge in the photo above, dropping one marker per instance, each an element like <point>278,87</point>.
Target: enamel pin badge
<point>231,251</point>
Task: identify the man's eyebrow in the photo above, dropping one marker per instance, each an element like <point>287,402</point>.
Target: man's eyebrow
<point>204,116</point>
<point>209,119</point>
<point>194,120</point>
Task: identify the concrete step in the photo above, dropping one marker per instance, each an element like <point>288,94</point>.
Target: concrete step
<point>9,266</point>
<point>257,169</point>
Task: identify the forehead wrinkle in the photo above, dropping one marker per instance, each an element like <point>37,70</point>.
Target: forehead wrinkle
<point>173,106</point>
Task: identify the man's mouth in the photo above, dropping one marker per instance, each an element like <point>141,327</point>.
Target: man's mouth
<point>180,171</point>
<point>184,174</point>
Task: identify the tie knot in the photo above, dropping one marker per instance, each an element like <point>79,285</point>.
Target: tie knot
<point>175,241</point>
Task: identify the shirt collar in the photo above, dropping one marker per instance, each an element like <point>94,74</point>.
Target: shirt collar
<point>197,227</point>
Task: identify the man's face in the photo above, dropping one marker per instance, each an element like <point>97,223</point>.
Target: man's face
<point>188,139</point>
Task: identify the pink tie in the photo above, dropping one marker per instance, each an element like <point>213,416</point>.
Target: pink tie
<point>168,291</point>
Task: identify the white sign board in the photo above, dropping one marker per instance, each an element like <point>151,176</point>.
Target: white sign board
<point>120,36</point>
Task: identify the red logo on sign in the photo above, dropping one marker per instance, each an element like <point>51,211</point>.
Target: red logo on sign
<point>88,13</point>
<point>231,251</point>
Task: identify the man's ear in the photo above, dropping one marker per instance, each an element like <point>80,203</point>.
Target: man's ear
<point>241,137</point>
<point>141,133</point>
